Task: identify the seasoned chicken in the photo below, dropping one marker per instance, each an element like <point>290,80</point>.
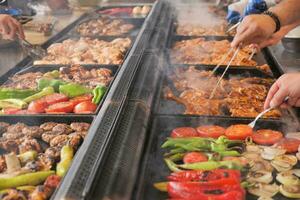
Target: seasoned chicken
<point>80,126</point>
<point>29,144</point>
<point>62,129</point>
<point>2,164</point>
<point>33,131</point>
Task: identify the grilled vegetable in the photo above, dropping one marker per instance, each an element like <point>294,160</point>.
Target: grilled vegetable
<point>184,132</point>
<point>210,131</point>
<point>287,178</point>
<point>264,190</point>
<point>27,156</point>
<point>52,74</point>
<point>48,82</point>
<point>284,162</point>
<point>290,191</point>
<point>266,137</point>
<point>13,103</point>
<point>85,108</point>
<point>238,132</point>
<point>98,93</point>
<point>46,91</point>
<point>193,157</point>
<point>74,90</point>
<point>260,177</point>
<point>34,178</point>
<point>66,156</point>
<point>7,93</point>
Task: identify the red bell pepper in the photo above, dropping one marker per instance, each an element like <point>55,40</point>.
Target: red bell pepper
<point>205,175</point>
<point>196,190</point>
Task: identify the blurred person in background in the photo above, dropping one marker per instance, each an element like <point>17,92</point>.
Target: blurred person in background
<point>261,28</point>
<point>58,4</point>
<point>10,28</point>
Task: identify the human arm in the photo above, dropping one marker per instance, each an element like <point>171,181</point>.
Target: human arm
<point>10,28</point>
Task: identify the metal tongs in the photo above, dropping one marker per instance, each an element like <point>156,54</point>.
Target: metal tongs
<point>35,51</point>
<point>252,124</point>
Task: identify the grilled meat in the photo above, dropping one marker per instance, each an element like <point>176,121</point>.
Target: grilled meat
<point>82,133</point>
<point>200,51</point>
<point>190,29</point>
<point>16,128</point>
<point>59,141</point>
<point>75,140</point>
<point>62,129</point>
<point>33,131</point>
<point>3,127</point>
<point>87,51</point>
<point>53,153</point>
<point>45,162</point>
<point>104,26</point>
<point>24,81</point>
<point>9,145</point>
<point>41,193</point>
<point>13,136</point>
<point>29,144</point>
<point>2,164</point>
<point>49,135</point>
<point>13,194</point>
<point>80,126</point>
<point>48,126</point>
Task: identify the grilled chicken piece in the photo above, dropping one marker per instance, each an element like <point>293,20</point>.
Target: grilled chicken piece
<point>48,126</point>
<point>3,127</point>
<point>16,128</point>
<point>2,164</point>
<point>14,194</point>
<point>53,152</point>
<point>9,145</point>
<point>80,126</point>
<point>75,140</point>
<point>33,166</point>
<point>59,141</point>
<point>49,135</point>
<point>33,131</point>
<point>29,144</point>
<point>12,136</point>
<point>62,129</point>
<point>41,193</point>
<point>45,162</point>
<point>82,133</point>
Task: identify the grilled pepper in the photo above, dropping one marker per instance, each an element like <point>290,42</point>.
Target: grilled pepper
<point>7,93</point>
<point>46,91</point>
<point>27,156</point>
<point>66,156</point>
<point>74,90</point>
<point>98,93</point>
<point>34,178</point>
<point>13,103</point>
<point>47,82</point>
<point>52,74</point>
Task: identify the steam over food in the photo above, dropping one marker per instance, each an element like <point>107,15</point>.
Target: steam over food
<point>241,97</point>
<point>86,51</point>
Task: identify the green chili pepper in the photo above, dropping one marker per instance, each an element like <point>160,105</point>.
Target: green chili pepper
<point>66,156</point>
<point>210,165</point>
<point>27,156</point>
<point>34,178</point>
<point>52,74</point>
<point>46,91</point>
<point>98,93</point>
<point>172,166</point>
<point>74,90</point>
<point>161,186</point>
<point>229,153</point>
<point>176,157</point>
<point>47,82</point>
<point>8,93</point>
<point>13,103</point>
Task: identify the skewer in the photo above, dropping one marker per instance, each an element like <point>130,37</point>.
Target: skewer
<point>220,79</point>
<point>220,63</point>
<point>252,54</point>
<point>233,27</point>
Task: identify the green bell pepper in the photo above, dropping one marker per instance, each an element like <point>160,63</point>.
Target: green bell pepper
<point>9,93</point>
<point>98,93</point>
<point>47,82</point>
<point>74,90</point>
<point>13,103</point>
<point>46,91</point>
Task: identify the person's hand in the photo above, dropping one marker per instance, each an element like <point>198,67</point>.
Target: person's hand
<point>286,86</point>
<point>254,29</point>
<point>10,28</point>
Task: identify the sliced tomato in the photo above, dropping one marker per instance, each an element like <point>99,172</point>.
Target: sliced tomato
<point>25,112</point>
<point>211,131</point>
<point>55,98</point>
<point>85,107</point>
<point>37,106</point>
<point>10,111</point>
<point>194,157</point>
<point>62,107</point>
<point>238,132</point>
<point>291,145</point>
<point>266,137</point>
<point>80,99</point>
<point>184,132</point>
<point>241,160</point>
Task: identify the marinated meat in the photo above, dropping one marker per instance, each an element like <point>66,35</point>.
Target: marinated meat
<point>200,51</point>
<point>82,133</point>
<point>62,129</point>
<point>2,164</point>
<point>24,81</point>
<point>9,145</point>
<point>75,140</point>
<point>12,136</point>
<point>48,126</point>
<point>104,26</point>
<point>86,51</point>
<point>3,126</point>
<point>33,131</point>
<point>41,192</point>
<point>191,29</point>
<point>16,128</point>
<point>28,145</point>
<point>80,126</point>
<point>53,152</point>
<point>91,78</point>
<point>13,194</point>
<point>45,162</point>
<point>59,141</point>
<point>49,135</point>
<point>242,97</point>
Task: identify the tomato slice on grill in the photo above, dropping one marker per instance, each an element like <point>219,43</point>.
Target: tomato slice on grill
<point>55,98</point>
<point>194,157</point>
<point>62,107</point>
<point>291,145</point>
<point>238,132</point>
<point>184,132</point>
<point>80,99</point>
<point>211,131</point>
<point>266,137</point>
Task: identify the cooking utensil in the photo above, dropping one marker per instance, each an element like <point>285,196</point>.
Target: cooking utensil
<point>252,124</point>
<point>220,79</point>
<point>222,61</point>
<point>252,54</point>
<point>233,27</point>
<point>35,51</point>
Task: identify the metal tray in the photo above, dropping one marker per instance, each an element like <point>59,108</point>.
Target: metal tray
<point>135,21</point>
<point>167,107</point>
<point>47,68</point>
<point>259,57</point>
<point>153,169</point>
<point>36,121</point>
<point>125,15</point>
